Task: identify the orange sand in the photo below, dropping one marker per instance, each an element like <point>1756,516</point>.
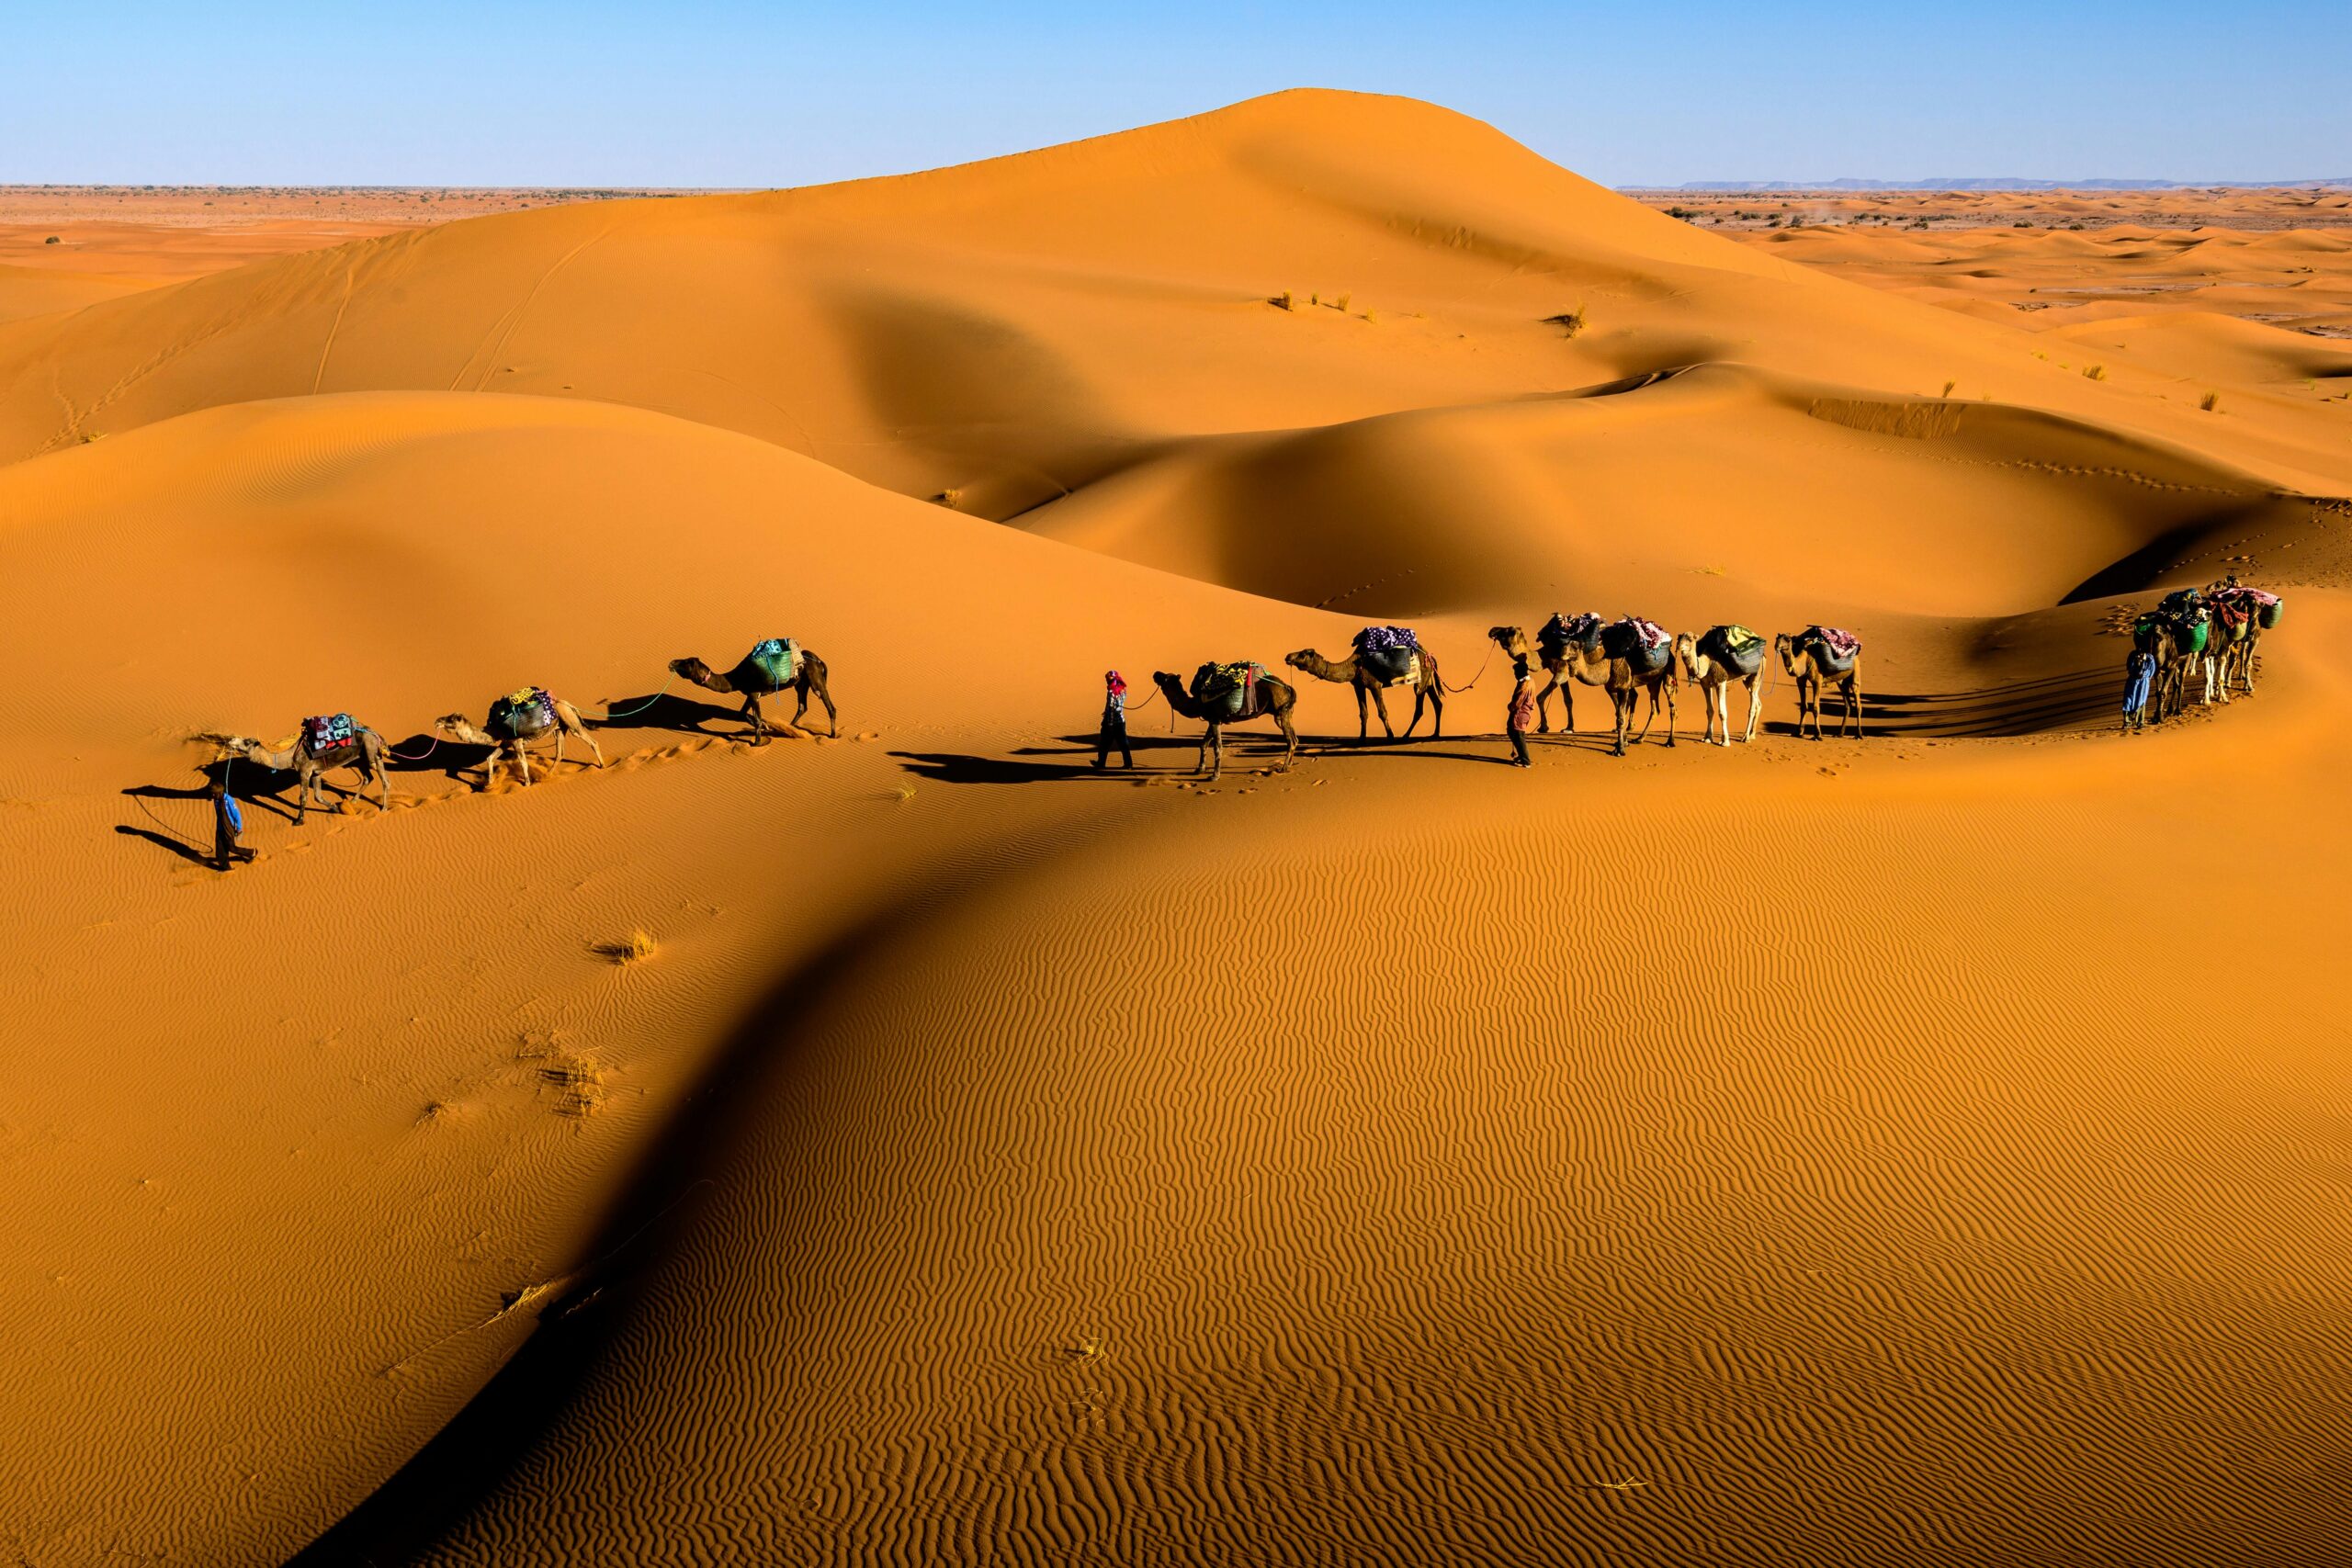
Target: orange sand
<point>1923,1148</point>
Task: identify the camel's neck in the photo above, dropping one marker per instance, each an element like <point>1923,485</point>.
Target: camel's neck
<point>1180,699</point>
<point>1323,668</point>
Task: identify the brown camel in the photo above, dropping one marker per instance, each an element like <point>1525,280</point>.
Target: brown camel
<point>514,723</point>
<point>1269,698</point>
<point>2179,632</point>
<point>1351,671</point>
<point>1563,654</point>
<point>753,678</point>
<point>1606,655</point>
<point>1807,659</point>
<point>363,753</point>
<point>1711,663</point>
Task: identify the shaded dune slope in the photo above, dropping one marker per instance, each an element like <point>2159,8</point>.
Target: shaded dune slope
<point>1474,1255</point>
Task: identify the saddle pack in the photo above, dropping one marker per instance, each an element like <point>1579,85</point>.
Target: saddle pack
<point>1390,655</point>
<point>522,714</point>
<point>1836,648</point>
<point>1643,644</point>
<point>1226,690</point>
<point>779,660</point>
<point>1734,647</point>
<point>324,732</point>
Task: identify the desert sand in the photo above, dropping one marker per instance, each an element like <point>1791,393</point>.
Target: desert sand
<point>1928,1147</point>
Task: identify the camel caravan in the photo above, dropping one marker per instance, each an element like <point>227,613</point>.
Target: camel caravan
<point>2197,644</point>
<point>2200,639</point>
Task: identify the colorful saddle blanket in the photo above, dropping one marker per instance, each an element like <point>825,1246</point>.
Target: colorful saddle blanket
<point>1643,644</point>
<point>1836,648</point>
<point>522,714</point>
<point>1561,630</point>
<point>1391,655</point>
<point>779,659</point>
<point>324,733</point>
<point>2238,601</point>
<point>1227,691</point>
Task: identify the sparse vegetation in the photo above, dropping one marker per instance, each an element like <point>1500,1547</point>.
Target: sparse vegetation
<point>906,791</point>
<point>1569,321</point>
<point>580,1077</point>
<point>1343,301</point>
<point>634,948</point>
<point>951,499</point>
<point>2095,372</point>
<point>1283,301</point>
<point>2210,403</point>
<point>1948,386</point>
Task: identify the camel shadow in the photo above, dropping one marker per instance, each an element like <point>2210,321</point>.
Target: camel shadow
<point>957,767</point>
<point>684,715</point>
<point>2076,700</point>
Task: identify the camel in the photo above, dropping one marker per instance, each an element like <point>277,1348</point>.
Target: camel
<point>2180,660</point>
<point>1807,660</point>
<point>1706,662</point>
<point>1270,699</point>
<point>1565,658</point>
<point>752,680</point>
<point>363,753</point>
<point>1351,672</point>
<point>523,725</point>
<point>1598,655</point>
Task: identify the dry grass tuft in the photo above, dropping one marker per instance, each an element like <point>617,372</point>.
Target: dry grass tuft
<point>581,1079</point>
<point>1569,321</point>
<point>906,791</point>
<point>951,499</point>
<point>1343,301</point>
<point>1948,386</point>
<point>634,948</point>
<point>2095,372</point>
<point>2210,403</point>
<point>1283,302</point>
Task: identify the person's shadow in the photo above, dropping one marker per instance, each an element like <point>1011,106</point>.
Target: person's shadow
<point>197,851</point>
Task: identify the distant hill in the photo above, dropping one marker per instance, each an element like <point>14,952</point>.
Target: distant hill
<point>1994,184</point>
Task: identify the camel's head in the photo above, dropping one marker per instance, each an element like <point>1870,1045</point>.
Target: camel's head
<point>689,669</point>
<point>226,745</point>
<point>1511,640</point>
<point>450,723</point>
<point>1785,646</point>
<point>1302,659</point>
<point>1687,655</point>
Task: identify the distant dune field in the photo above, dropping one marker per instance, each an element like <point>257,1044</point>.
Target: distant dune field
<point>907,1145</point>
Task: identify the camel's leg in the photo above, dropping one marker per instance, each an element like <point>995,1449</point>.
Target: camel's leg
<point>1217,754</point>
<point>1636,698</point>
<point>568,717</point>
<point>1437,712</point>
<point>302,795</point>
<point>1543,711</point>
<point>1622,702</point>
<point>1755,713</point>
<point>1415,722</point>
<point>1290,740</point>
<point>1670,714</point>
<point>1381,702</point>
<point>522,761</point>
<point>1853,709</point>
<point>758,720</point>
<point>1363,716</point>
<point>824,695</point>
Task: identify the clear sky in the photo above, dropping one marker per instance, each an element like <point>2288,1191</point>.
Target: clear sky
<point>730,92</point>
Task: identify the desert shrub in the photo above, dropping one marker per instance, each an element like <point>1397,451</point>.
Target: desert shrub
<point>2095,372</point>
<point>2210,403</point>
<point>1569,321</point>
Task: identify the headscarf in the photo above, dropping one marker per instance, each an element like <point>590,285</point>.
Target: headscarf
<point>1110,679</point>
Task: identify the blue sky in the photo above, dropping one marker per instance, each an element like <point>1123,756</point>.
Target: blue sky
<point>717,93</point>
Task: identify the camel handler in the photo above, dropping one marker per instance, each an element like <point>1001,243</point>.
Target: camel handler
<point>2139,675</point>
<point>1522,710</point>
<point>1114,723</point>
<point>228,825</point>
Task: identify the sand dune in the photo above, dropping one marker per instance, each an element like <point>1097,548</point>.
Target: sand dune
<point>1921,1147</point>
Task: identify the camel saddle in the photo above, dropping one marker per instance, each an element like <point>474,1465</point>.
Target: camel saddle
<point>1390,655</point>
<point>1834,646</point>
<point>520,715</point>
<point>323,733</point>
<point>779,659</point>
<point>1734,647</point>
<point>1643,645</point>
<point>1226,690</point>
<point>1562,630</point>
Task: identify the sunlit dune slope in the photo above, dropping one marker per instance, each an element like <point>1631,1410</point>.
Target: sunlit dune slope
<point>1011,331</point>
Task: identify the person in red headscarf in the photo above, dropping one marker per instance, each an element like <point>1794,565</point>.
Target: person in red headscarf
<point>1114,723</point>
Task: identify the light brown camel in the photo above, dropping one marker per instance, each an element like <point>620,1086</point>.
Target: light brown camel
<point>1806,658</point>
<point>363,753</point>
<point>1709,662</point>
<point>1566,659</point>
<point>752,680</point>
<point>1599,655</point>
<point>1351,671</point>
<point>1269,698</point>
<point>512,727</point>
